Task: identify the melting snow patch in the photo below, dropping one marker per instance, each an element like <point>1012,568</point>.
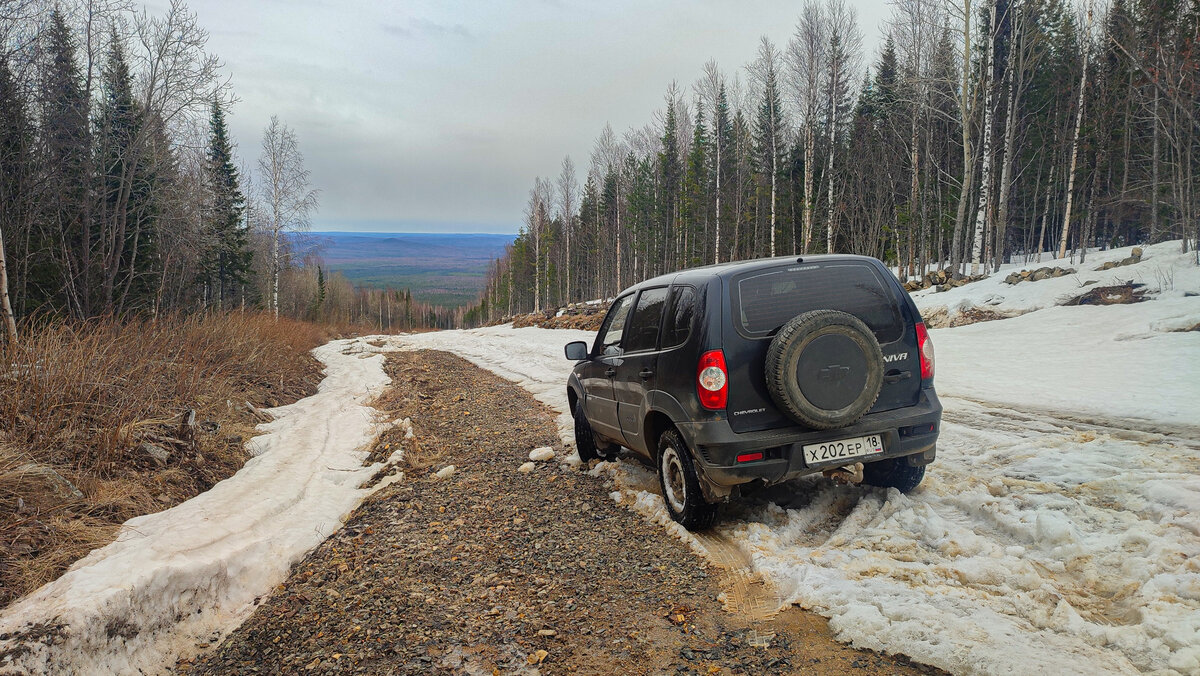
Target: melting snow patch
<point>541,454</point>
<point>208,560</point>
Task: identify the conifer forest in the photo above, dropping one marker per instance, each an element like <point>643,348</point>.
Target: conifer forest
<point>981,132</point>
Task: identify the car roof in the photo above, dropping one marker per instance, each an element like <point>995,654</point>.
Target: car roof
<point>726,270</point>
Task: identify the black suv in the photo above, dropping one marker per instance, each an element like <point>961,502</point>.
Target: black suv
<point>743,375</point>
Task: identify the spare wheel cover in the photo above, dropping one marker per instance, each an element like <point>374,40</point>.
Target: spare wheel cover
<point>824,369</point>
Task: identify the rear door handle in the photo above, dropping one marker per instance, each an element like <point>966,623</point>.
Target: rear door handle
<point>896,376</point>
<point>645,373</point>
<point>610,372</point>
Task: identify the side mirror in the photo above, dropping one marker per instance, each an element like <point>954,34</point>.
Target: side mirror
<point>576,351</point>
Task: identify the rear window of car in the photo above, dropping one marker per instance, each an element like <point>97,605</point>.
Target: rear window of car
<point>765,300</point>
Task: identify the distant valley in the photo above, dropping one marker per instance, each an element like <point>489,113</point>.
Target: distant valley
<point>443,269</point>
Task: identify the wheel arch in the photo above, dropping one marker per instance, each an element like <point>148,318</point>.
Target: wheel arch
<point>653,427</point>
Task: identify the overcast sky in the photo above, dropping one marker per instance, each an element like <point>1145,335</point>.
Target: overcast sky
<point>437,116</point>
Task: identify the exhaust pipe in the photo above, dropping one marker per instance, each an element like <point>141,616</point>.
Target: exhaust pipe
<point>849,474</point>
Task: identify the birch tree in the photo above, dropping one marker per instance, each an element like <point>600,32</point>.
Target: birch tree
<point>845,44</point>
<point>806,55</point>
<point>984,209</point>
<point>711,89</point>
<point>1083,78</point>
<point>764,74</point>
<point>288,197</point>
<point>568,188</point>
<point>6,311</point>
<point>966,100</point>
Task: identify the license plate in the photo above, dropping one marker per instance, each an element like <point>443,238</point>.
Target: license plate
<point>843,448</point>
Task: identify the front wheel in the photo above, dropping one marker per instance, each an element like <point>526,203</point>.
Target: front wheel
<point>893,473</point>
<point>680,484</point>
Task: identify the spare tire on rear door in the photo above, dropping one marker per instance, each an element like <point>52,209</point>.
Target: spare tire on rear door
<point>824,369</point>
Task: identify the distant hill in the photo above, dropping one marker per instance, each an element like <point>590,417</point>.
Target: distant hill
<point>443,269</point>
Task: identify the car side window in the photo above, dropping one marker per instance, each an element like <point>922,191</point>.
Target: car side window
<point>642,332</point>
<point>680,310</point>
<point>613,326</point>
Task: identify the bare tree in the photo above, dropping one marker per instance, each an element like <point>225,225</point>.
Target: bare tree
<point>568,188</point>
<point>984,210</point>
<point>1083,78</point>
<point>764,74</point>
<point>285,189</point>
<point>711,89</point>
<point>806,55</point>
<point>961,10</point>
<point>845,54</point>
<point>914,26</point>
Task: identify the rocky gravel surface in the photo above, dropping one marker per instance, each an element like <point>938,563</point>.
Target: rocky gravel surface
<point>486,569</point>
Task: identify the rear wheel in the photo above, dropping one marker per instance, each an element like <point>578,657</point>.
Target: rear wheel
<point>585,439</point>
<point>893,473</point>
<point>680,485</point>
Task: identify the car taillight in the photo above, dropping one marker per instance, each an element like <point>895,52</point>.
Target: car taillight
<point>925,348</point>
<point>712,380</point>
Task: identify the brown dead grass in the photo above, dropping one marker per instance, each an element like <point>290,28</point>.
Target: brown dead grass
<point>77,399</point>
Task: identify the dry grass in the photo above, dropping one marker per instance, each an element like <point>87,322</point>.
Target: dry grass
<point>78,399</point>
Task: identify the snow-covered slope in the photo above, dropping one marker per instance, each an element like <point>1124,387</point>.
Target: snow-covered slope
<point>1056,533</point>
<point>190,574</point>
<point>1165,272</point>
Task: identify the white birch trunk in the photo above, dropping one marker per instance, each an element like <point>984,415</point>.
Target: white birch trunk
<point>965,110</point>
<point>10,323</point>
<point>537,261</point>
<point>275,273</point>
<point>717,226</point>
<point>1010,130</point>
<point>810,151</point>
<point>1066,229</point>
<point>984,210</point>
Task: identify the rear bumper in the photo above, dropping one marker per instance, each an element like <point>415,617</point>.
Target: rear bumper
<point>910,431</point>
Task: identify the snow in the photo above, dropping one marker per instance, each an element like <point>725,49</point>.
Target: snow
<point>1057,530</point>
<point>541,454</point>
<point>1164,271</point>
<point>211,558</point>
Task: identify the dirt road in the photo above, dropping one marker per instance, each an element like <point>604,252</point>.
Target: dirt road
<point>493,570</point>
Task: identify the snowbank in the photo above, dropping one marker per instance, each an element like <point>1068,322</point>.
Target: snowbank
<point>1051,536</point>
<point>1165,272</point>
<point>192,573</point>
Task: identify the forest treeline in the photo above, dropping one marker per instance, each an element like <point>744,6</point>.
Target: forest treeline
<point>982,130</point>
<point>120,191</point>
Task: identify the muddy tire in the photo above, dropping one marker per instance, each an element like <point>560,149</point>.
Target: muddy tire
<point>893,473</point>
<point>680,486</point>
<point>824,369</point>
<point>585,439</point>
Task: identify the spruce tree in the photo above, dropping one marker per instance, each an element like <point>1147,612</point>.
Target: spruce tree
<point>227,263</point>
<point>66,155</point>
<point>128,184</point>
<point>695,190</point>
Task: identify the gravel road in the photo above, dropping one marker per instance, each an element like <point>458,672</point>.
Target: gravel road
<point>495,570</point>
